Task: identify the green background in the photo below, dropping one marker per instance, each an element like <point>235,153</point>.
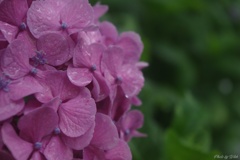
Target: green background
<point>191,98</point>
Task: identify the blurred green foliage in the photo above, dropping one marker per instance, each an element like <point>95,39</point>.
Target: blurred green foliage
<point>191,98</point>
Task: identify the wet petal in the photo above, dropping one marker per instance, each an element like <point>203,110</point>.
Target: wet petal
<point>108,31</point>
<point>8,107</point>
<point>78,143</point>
<point>99,10</point>
<point>15,60</point>
<point>113,59</point>
<point>44,16</point>
<point>77,14</point>
<point>24,87</point>
<point>133,80</point>
<point>38,123</point>
<point>101,87</point>
<point>13,142</point>
<point>120,152</point>
<point>57,150</point>
<point>56,48</point>
<point>132,46</point>
<point>79,76</point>
<point>77,116</point>
<point>133,120</point>
<point>13,12</point>
<point>102,139</point>
<point>9,31</point>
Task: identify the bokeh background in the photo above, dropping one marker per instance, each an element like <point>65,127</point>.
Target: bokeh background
<point>191,98</point>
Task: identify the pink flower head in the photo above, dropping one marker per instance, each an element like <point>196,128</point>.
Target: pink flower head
<point>67,82</point>
<point>59,16</point>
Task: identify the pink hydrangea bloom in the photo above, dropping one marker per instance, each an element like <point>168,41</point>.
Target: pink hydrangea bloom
<point>67,82</point>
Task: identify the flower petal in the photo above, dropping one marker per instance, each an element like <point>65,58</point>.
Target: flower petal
<point>77,116</point>
<point>113,59</point>
<point>101,87</point>
<point>24,87</point>
<point>78,143</point>
<point>79,76</point>
<point>56,48</point>
<point>108,31</point>
<point>133,120</point>
<point>9,32</point>
<point>13,12</point>
<point>120,152</point>
<point>38,123</point>
<point>57,150</point>
<point>102,139</point>
<point>8,107</point>
<point>132,46</point>
<point>12,141</point>
<point>77,14</point>
<point>133,80</point>
<point>99,10</point>
<point>44,16</point>
<point>15,60</point>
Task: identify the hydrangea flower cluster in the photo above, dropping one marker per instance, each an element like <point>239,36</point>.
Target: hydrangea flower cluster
<point>67,82</point>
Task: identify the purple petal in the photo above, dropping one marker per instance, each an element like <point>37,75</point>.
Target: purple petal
<point>37,156</point>
<point>92,153</point>
<point>79,76</point>
<point>132,46</point>
<point>24,87</point>
<point>38,123</point>
<point>113,59</point>
<point>120,152</point>
<point>133,120</point>
<point>15,61</point>
<point>77,116</point>
<point>99,10</point>
<point>29,41</point>
<point>44,16</point>
<point>12,141</point>
<point>82,55</point>
<point>142,65</point>
<point>56,48</point>
<point>96,51</point>
<point>54,104</point>
<point>78,143</point>
<point>108,31</point>
<point>8,107</point>
<point>13,11</point>
<point>9,32</point>
<point>136,101</point>
<point>102,139</point>
<point>77,14</point>
<point>57,85</point>
<point>101,87</point>
<point>120,105</point>
<point>56,150</point>
<point>133,80</point>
